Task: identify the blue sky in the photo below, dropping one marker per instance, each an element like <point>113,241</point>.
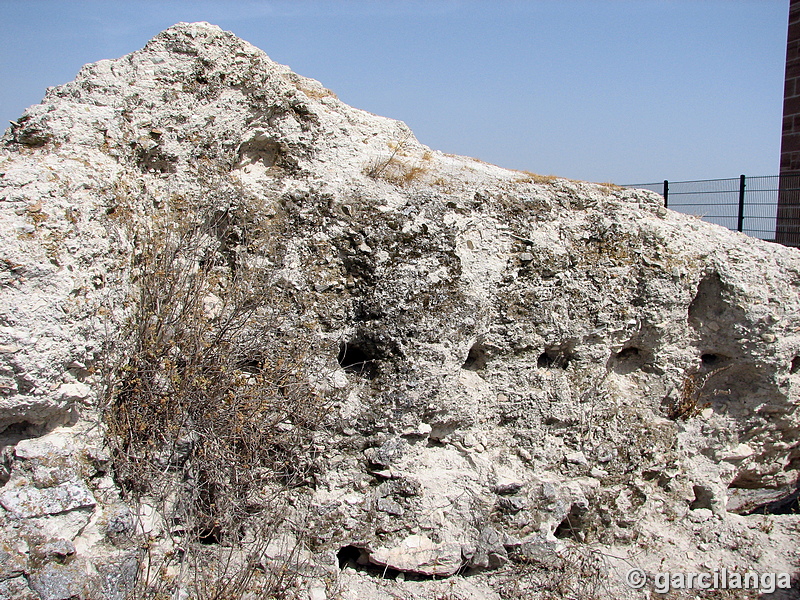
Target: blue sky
<point>628,91</point>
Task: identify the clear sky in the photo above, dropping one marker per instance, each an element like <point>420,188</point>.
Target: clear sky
<point>629,91</point>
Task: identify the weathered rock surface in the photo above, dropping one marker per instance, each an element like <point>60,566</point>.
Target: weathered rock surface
<point>534,369</point>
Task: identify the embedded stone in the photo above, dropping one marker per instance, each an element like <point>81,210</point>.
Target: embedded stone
<point>419,554</point>
<point>28,501</point>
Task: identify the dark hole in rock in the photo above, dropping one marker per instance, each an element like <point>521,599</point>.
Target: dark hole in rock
<point>795,365</point>
<point>553,358</point>
<point>709,303</point>
<point>628,360</point>
<point>6,463</point>
<point>627,353</point>
<point>702,497</point>
<point>211,535</point>
<point>709,360</point>
<point>659,477</point>
<point>747,497</point>
<point>23,385</point>
<point>354,359</point>
<point>552,421</point>
<point>787,505</point>
<point>153,159</point>
<point>364,314</point>
<point>23,430</point>
<point>476,358</point>
<point>259,149</point>
<point>250,365</point>
<point>29,134</point>
<point>349,556</point>
<point>353,557</point>
<point>572,526</point>
<point>793,464</point>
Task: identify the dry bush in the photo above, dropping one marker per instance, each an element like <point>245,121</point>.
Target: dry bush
<point>394,169</point>
<point>212,413</point>
<point>575,573</point>
<point>693,394</point>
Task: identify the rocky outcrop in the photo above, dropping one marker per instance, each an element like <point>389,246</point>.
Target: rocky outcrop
<point>514,375</point>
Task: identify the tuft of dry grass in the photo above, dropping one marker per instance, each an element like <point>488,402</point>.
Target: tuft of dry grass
<point>529,177</point>
<point>395,169</point>
<point>316,92</point>
<point>609,187</point>
<point>397,172</point>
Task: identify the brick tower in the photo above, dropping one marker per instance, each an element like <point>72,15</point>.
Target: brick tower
<point>787,229</point>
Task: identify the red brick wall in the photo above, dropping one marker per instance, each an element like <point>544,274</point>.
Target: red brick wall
<point>788,224</point>
<point>790,142</point>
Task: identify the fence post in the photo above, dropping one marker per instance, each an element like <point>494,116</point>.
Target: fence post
<point>666,193</point>
<point>740,220</point>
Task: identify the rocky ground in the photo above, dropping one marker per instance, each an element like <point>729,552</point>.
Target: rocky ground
<point>472,382</point>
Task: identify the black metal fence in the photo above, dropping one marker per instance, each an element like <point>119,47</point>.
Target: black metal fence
<point>767,207</point>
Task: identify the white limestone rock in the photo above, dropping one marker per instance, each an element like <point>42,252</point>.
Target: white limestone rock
<point>514,331</point>
<point>26,501</point>
<point>419,554</point>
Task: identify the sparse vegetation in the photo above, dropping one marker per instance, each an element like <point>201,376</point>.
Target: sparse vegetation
<point>36,214</point>
<point>312,89</point>
<point>316,92</point>
<point>396,169</point>
<point>692,395</point>
<point>442,182</point>
<point>528,177</point>
<point>577,572</point>
<point>211,413</point>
